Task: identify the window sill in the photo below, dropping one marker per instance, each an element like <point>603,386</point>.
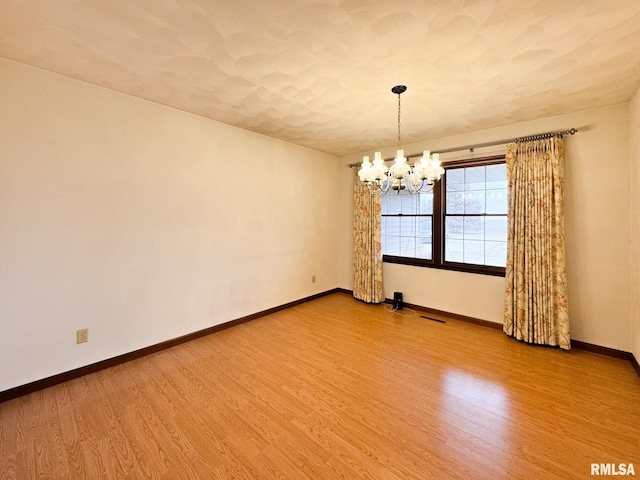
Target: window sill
<point>458,267</point>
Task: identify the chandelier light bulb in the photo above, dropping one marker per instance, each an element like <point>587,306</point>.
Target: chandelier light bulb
<point>426,157</point>
<point>366,173</point>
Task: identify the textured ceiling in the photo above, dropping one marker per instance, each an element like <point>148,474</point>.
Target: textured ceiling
<point>319,74</point>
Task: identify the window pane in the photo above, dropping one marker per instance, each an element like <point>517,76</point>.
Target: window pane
<point>496,176</point>
<point>454,251</point>
<point>391,245</point>
<point>474,252</point>
<point>495,228</point>
<point>453,227</point>
<point>455,180</point>
<point>497,201</point>
<point>407,226</point>
<point>423,242</point>
<point>392,226</point>
<point>409,202</point>
<point>425,203</point>
<point>408,247</point>
<point>496,254</point>
<point>425,227</point>
<point>474,178</point>
<point>474,202</point>
<point>474,228</point>
<point>455,203</point>
<point>424,248</point>
<point>391,204</point>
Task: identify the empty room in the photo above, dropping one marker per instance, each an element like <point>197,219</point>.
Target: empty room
<point>314,240</point>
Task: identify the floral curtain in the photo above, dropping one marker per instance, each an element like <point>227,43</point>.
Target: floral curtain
<point>367,249</point>
<point>536,306</point>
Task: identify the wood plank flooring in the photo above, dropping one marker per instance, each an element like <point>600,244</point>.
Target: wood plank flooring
<point>333,388</point>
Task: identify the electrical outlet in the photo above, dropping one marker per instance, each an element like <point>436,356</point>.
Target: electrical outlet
<point>82,335</point>
<point>313,279</point>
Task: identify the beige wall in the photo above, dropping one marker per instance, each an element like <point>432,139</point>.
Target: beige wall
<point>598,208</point>
<point>635,220</point>
<point>143,223</point>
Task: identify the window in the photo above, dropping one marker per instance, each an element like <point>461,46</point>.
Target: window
<point>461,225</point>
<point>407,224</point>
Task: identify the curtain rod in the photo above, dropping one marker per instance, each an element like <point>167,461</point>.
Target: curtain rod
<point>539,136</point>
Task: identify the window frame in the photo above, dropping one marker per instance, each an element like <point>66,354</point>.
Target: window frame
<point>438,216</point>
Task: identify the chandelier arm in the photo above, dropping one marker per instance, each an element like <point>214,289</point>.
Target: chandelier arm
<point>374,191</point>
<point>411,187</point>
<point>426,191</point>
<point>379,187</point>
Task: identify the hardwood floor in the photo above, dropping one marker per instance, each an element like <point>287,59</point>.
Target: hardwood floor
<point>330,389</point>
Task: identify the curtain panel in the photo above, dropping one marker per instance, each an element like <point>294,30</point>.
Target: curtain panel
<point>367,248</point>
<point>536,304</point>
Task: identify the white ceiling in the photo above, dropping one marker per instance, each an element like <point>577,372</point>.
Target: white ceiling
<point>319,73</point>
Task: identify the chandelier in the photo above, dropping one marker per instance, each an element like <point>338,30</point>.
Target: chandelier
<point>417,179</point>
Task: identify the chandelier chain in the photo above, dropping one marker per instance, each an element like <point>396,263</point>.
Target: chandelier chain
<point>398,121</point>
